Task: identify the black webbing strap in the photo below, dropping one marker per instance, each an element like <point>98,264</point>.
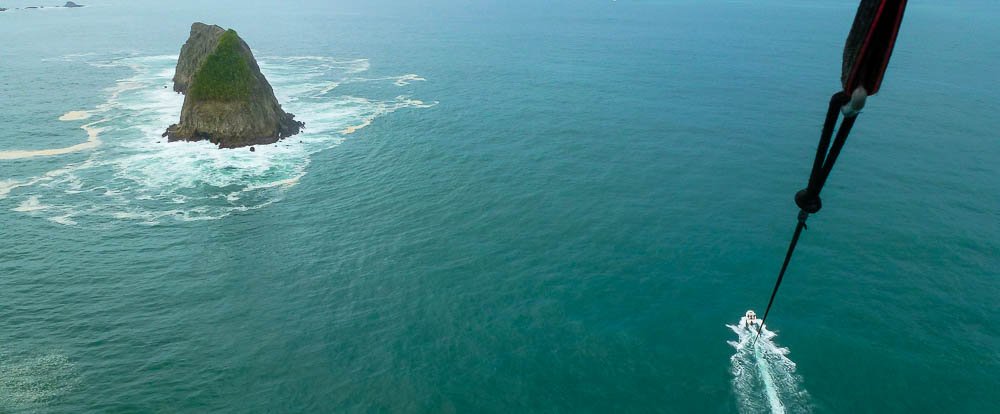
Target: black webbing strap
<point>866,56</point>
<point>808,199</point>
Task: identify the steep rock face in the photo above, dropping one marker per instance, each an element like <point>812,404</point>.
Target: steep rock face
<point>201,43</point>
<point>226,99</point>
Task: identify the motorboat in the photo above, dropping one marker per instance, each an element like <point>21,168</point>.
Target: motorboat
<point>750,321</point>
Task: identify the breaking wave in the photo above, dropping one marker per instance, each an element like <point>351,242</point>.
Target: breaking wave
<point>131,173</point>
<point>764,379</point>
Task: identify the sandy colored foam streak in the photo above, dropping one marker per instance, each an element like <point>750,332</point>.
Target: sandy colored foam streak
<point>93,140</point>
<point>367,121</point>
<point>75,116</point>
<point>355,128</point>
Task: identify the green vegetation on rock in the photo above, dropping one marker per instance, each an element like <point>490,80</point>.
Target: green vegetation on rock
<point>225,75</point>
<point>228,101</point>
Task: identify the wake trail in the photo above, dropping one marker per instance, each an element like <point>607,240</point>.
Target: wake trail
<point>764,378</point>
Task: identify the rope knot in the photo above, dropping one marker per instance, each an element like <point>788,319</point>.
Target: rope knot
<point>808,201</point>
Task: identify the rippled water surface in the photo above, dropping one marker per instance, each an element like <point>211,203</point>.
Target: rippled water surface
<point>498,207</point>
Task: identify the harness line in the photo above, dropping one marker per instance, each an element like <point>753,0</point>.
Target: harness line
<point>866,56</point>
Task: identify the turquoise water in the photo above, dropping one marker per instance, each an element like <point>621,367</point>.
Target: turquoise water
<point>499,207</point>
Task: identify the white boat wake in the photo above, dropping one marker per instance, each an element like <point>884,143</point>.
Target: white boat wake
<point>764,379</point>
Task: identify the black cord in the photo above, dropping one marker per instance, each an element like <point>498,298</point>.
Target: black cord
<point>808,198</point>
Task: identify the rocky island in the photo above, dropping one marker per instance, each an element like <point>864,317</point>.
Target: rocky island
<point>227,100</point>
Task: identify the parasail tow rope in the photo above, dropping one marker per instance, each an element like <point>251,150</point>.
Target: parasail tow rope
<point>866,56</point>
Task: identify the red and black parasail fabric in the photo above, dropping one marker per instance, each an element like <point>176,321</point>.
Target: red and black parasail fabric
<point>870,43</point>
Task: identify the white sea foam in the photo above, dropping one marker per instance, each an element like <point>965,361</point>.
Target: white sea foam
<point>65,220</point>
<point>27,382</point>
<point>6,186</point>
<point>30,204</point>
<point>402,80</point>
<point>764,378</point>
<point>406,79</point>
<point>136,175</point>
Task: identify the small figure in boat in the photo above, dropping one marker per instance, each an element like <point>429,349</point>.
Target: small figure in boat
<point>750,320</point>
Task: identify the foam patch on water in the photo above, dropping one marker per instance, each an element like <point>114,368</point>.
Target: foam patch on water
<point>132,173</point>
<point>74,116</point>
<point>30,382</point>
<point>396,80</point>
<point>93,140</point>
<point>764,378</point>
<point>30,204</point>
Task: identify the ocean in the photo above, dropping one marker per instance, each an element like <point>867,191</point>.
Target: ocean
<point>499,207</point>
